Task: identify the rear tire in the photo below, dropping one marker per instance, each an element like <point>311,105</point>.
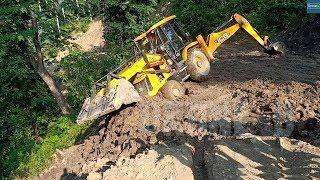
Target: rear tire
<point>198,65</point>
<point>173,90</point>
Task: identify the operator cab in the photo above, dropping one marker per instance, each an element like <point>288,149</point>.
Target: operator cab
<point>165,38</point>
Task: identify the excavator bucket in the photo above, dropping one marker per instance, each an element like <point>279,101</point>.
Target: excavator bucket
<point>106,102</point>
<point>277,48</point>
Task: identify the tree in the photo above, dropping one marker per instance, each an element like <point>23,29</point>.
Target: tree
<point>37,63</point>
<point>126,19</point>
<point>20,19</point>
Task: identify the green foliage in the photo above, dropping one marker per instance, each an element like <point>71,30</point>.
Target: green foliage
<point>201,16</point>
<point>80,69</point>
<point>127,19</point>
<point>62,133</point>
<point>57,19</point>
<point>12,23</point>
<point>77,26</point>
<point>26,107</point>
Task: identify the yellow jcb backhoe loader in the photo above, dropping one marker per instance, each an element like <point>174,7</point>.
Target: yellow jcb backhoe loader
<point>165,56</point>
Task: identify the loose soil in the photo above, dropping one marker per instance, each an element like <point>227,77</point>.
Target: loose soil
<point>92,38</point>
<point>215,129</point>
<point>86,41</point>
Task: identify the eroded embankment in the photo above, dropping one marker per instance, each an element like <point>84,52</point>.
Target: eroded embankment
<point>246,157</point>
<point>247,92</point>
<point>212,111</point>
<point>208,111</point>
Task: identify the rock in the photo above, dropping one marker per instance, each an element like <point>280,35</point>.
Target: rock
<point>94,176</point>
<point>225,127</point>
<point>102,131</point>
<point>265,126</point>
<point>101,162</point>
<point>153,139</point>
<point>286,131</point>
<point>213,126</point>
<point>238,128</point>
<point>267,93</point>
<point>304,133</point>
<point>316,142</point>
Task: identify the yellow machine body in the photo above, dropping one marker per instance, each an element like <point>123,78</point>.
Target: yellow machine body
<point>155,26</point>
<point>209,46</point>
<point>140,68</point>
<point>152,69</point>
<point>215,39</point>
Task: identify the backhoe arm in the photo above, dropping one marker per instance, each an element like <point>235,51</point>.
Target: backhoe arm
<point>215,39</point>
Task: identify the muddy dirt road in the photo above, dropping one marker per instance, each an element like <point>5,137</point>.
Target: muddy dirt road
<point>248,92</point>
<point>245,158</point>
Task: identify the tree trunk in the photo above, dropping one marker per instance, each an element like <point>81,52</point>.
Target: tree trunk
<point>46,77</point>
<point>37,63</point>
<point>42,71</point>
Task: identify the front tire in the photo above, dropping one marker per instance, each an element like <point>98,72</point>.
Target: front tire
<point>198,65</point>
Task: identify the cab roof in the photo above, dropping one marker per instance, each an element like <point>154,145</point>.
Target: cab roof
<point>155,26</point>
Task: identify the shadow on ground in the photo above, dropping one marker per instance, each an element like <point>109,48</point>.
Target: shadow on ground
<point>72,176</point>
<point>254,157</point>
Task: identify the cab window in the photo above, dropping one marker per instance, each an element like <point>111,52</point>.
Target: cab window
<point>174,39</point>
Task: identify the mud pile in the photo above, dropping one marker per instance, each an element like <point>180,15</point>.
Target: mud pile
<point>245,157</point>
<point>219,113</point>
<point>248,92</point>
<point>160,163</point>
<point>251,94</point>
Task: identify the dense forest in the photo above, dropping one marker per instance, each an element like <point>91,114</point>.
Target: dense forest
<point>39,108</point>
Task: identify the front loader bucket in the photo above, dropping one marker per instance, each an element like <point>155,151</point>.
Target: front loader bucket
<point>123,93</point>
<point>277,48</point>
